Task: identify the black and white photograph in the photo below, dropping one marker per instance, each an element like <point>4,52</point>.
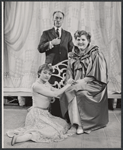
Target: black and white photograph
<point>61,74</point>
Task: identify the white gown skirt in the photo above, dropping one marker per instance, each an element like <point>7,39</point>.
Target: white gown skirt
<point>43,126</point>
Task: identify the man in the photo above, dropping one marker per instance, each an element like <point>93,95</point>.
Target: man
<point>56,43</point>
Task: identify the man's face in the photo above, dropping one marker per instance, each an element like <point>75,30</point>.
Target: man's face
<point>58,19</point>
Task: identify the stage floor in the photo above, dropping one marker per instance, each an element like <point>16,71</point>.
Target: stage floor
<point>108,137</point>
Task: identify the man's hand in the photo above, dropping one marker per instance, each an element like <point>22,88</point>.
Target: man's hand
<point>56,41</point>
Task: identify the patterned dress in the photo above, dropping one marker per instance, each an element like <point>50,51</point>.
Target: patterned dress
<point>43,126</point>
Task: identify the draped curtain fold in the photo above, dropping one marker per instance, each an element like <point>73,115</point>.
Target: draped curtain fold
<point>24,23</point>
<point>18,17</point>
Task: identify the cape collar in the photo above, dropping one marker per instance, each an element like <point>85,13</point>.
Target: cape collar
<point>76,53</point>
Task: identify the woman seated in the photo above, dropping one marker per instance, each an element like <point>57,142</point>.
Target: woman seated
<point>40,125</point>
<point>86,102</point>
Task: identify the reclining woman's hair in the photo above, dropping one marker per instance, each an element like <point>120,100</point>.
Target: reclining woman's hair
<point>45,67</point>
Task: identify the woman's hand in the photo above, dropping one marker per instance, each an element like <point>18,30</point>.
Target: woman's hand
<point>70,81</point>
<point>80,80</point>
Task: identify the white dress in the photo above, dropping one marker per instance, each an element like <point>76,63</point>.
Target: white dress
<point>43,126</point>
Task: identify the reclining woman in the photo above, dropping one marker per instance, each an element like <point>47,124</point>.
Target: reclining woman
<point>86,102</point>
<point>40,125</point>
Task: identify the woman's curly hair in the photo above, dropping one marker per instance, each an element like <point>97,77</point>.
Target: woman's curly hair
<point>79,33</point>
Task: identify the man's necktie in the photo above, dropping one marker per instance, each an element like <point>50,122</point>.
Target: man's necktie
<point>57,32</point>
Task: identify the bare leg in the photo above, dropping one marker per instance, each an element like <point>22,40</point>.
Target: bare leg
<point>24,138</point>
<point>21,138</point>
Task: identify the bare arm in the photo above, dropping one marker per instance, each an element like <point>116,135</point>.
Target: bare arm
<point>54,89</point>
<point>47,92</point>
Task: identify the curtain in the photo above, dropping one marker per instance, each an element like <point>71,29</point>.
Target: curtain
<point>24,23</point>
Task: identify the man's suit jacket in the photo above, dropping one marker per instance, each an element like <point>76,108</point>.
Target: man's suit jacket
<point>59,52</point>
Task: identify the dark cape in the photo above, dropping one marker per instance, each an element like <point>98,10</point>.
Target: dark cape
<point>90,69</point>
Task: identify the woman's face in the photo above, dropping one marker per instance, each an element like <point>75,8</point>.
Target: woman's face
<point>45,75</point>
<point>82,42</point>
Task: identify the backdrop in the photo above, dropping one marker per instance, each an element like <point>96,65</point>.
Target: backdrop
<point>24,23</point>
